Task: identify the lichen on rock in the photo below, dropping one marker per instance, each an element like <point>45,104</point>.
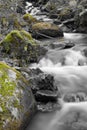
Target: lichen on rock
<point>16,99</point>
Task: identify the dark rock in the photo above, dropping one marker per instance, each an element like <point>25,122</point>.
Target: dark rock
<point>69,44</point>
<point>46,96</point>
<point>57,22</point>
<point>42,82</point>
<point>63,45</point>
<point>53,16</point>
<point>45,82</point>
<point>43,87</point>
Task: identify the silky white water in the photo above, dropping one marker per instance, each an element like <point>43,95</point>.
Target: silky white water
<point>69,68</point>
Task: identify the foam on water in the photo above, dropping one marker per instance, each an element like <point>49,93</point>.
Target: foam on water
<point>70,76</point>
<point>69,58</point>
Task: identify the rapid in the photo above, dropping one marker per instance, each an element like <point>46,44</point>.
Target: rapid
<point>69,68</point>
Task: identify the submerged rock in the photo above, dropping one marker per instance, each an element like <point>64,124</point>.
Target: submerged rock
<point>17,104</point>
<point>75,97</point>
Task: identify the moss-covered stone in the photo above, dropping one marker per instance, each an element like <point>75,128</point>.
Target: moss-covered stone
<point>16,99</point>
<point>48,29</point>
<point>20,45</point>
<point>29,18</point>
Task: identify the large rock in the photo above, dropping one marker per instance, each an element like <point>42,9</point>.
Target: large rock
<point>43,87</point>
<point>17,104</point>
<point>44,29</point>
<point>21,45</point>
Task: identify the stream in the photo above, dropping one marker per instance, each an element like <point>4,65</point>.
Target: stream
<point>69,68</point>
<point>70,76</point>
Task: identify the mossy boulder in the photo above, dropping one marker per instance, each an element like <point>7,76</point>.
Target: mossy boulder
<point>44,29</point>
<point>20,45</point>
<point>29,18</point>
<point>17,104</point>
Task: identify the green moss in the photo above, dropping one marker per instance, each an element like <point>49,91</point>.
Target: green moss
<point>20,34</point>
<point>8,88</point>
<point>29,18</point>
<point>44,25</point>
<point>15,38</point>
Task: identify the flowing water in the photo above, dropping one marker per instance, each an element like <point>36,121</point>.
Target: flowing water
<point>69,68</point>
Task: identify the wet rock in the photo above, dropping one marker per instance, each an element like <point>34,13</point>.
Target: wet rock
<point>46,96</point>
<point>48,107</point>
<point>17,104</point>
<point>61,45</point>
<point>69,44</point>
<point>57,45</point>
<point>44,82</point>
<point>44,29</point>
<point>75,97</point>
